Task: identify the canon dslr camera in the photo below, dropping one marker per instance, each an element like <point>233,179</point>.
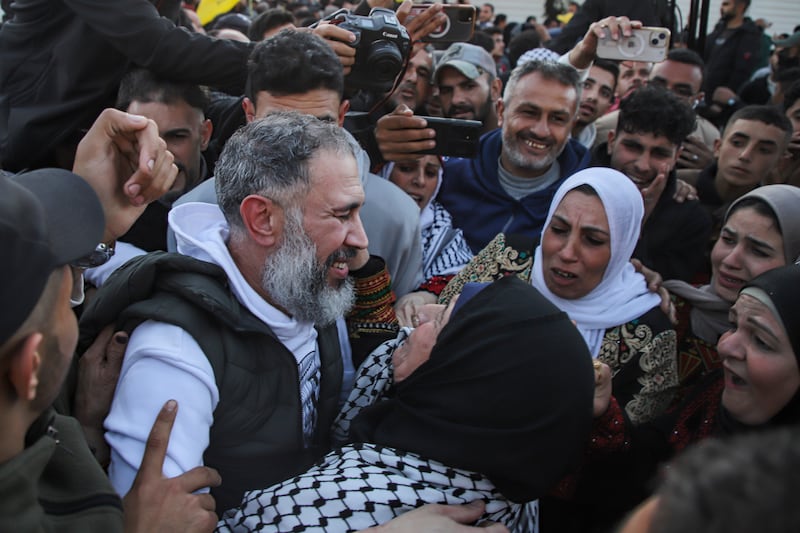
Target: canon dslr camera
<point>382,46</point>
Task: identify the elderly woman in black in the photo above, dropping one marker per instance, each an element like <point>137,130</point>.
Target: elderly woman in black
<point>497,410</point>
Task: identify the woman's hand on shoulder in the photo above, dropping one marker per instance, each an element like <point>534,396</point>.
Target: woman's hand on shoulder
<point>654,284</point>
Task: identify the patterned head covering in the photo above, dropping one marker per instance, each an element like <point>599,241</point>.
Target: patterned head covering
<point>507,393</point>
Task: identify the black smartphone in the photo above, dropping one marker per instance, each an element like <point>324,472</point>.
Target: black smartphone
<point>459,26</point>
<point>454,137</point>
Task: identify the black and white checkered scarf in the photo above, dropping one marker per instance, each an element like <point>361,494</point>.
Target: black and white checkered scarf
<point>498,413</point>
<point>363,485</point>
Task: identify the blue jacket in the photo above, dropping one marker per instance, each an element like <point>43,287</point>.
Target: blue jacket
<point>471,192</point>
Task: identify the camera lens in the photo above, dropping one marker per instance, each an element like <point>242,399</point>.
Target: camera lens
<point>384,60</point>
<point>654,42</point>
<point>662,36</point>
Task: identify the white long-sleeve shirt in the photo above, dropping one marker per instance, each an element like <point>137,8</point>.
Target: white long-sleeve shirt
<point>164,362</point>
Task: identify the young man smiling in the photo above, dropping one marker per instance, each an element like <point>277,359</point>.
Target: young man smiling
<point>645,146</point>
<point>596,98</point>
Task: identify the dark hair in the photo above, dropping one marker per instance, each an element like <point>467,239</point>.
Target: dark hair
<point>40,318</point>
<point>144,86</point>
<point>759,206</point>
<point>492,30</point>
<point>482,39</point>
<point>743,484</point>
<point>232,21</point>
<point>687,56</point>
<point>655,110</point>
<point>791,95</point>
<point>488,4</point>
<point>787,76</point>
<point>612,67</point>
<point>500,18</point>
<point>768,114</point>
<point>586,189</point>
<point>293,62</point>
<point>521,43</point>
<point>268,20</point>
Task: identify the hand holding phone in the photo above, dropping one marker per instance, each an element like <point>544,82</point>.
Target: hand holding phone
<point>458,25</point>
<point>454,137</point>
<point>644,44</point>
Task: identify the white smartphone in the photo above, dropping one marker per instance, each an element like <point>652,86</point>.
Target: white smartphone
<point>645,44</point>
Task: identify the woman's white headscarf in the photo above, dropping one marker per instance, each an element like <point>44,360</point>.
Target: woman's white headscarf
<point>622,293</point>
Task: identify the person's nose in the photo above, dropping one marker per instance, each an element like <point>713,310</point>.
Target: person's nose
<point>356,236</point>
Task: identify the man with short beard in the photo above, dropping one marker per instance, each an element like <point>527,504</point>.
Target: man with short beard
<point>468,84</point>
<point>596,97</point>
<point>508,186</point>
<point>239,326</point>
<point>415,87</point>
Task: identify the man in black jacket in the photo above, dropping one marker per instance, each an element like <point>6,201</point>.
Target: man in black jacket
<point>732,50</point>
<point>61,63</point>
<point>650,12</point>
<point>653,122</point>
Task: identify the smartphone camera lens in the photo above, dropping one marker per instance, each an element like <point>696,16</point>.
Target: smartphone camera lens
<point>654,42</point>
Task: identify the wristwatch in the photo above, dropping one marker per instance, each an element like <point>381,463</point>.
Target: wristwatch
<point>101,254</point>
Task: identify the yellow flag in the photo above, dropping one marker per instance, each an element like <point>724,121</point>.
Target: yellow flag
<point>208,10</point>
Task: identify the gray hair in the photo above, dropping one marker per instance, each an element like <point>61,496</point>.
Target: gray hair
<point>564,74</point>
<point>270,157</point>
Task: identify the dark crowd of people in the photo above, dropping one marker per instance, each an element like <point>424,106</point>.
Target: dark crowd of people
<point>338,267</point>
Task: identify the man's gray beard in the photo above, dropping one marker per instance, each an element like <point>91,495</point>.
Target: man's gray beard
<point>518,159</point>
<point>296,281</point>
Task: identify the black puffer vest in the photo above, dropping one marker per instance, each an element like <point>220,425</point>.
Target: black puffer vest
<point>256,438</point>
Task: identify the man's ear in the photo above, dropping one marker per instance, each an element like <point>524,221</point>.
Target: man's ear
<point>611,136</point>
<point>206,129</point>
<point>717,145</point>
<point>249,110</point>
<point>496,90</point>
<point>500,109</point>
<point>263,219</point>
<point>344,107</point>
<point>23,371</point>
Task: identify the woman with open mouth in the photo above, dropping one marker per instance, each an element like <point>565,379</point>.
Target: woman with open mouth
<point>583,266</point>
<point>761,231</point>
<point>756,388</point>
<point>444,249</point>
